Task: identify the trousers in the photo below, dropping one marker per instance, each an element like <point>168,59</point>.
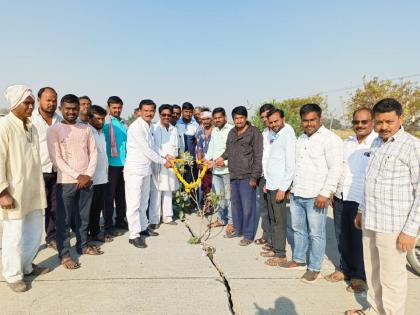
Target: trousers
<point>137,189</point>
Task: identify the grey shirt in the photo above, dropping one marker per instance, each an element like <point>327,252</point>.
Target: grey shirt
<point>244,153</point>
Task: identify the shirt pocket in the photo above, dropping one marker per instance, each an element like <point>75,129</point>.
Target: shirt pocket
<point>393,168</point>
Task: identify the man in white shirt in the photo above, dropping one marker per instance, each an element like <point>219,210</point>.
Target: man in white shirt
<point>279,172</point>
<point>347,199</point>
<point>42,118</point>
<point>97,117</point>
<point>265,239</point>
<point>141,152</point>
<point>164,180</point>
<point>319,162</point>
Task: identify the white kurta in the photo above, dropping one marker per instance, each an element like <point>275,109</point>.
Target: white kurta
<point>167,141</point>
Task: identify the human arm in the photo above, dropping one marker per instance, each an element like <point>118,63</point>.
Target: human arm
<point>54,152</point>
<point>6,200</point>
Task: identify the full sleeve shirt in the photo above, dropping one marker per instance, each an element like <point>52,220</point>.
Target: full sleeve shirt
<point>319,163</point>
<point>20,167</point>
<point>42,127</point>
<point>217,147</point>
<point>244,153</point>
<point>355,162</point>
<point>101,172</point>
<point>141,149</point>
<point>281,160</point>
<point>391,200</point>
<point>72,150</point>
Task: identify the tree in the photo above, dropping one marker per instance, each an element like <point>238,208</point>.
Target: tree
<point>406,92</point>
<point>291,109</point>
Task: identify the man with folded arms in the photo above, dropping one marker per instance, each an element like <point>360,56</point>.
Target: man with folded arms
<point>22,190</point>
<point>279,175</point>
<point>141,152</point>
<point>73,151</point>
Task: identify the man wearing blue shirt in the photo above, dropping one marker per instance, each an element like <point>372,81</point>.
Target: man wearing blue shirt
<point>279,175</point>
<point>115,131</point>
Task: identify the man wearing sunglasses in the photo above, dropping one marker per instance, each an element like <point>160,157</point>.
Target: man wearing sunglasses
<point>347,199</point>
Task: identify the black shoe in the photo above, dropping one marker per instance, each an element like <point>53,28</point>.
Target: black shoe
<point>149,232</point>
<point>121,226</point>
<point>154,226</point>
<point>138,242</point>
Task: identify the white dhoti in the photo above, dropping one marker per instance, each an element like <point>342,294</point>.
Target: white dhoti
<point>137,189</point>
<point>164,182</point>
<point>20,245</point>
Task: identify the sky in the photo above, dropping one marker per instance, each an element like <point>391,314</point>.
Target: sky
<point>211,53</point>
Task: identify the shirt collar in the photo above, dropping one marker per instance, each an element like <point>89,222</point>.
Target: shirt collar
<point>55,117</point>
<point>18,121</point>
<point>399,134</point>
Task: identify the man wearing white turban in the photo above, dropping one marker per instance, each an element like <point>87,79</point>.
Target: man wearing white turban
<point>22,192</point>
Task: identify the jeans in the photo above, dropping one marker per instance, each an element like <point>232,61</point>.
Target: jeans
<point>308,226</point>
<point>349,239</point>
<point>221,184</point>
<point>244,208</point>
<point>263,206</point>
<point>71,200</point>
<point>50,180</point>
<point>116,192</point>
<point>278,223</point>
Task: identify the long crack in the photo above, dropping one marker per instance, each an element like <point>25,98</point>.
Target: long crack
<point>222,275</point>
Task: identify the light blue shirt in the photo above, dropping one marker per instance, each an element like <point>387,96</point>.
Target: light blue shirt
<point>120,131</point>
<point>281,159</point>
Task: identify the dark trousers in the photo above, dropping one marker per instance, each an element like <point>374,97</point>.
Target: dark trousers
<point>278,223</point>
<point>72,200</point>
<point>50,180</point>
<point>263,206</point>
<point>349,239</point>
<point>116,192</point>
<point>244,207</point>
<point>98,205</point>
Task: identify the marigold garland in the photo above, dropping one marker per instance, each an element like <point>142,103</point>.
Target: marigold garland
<point>188,186</point>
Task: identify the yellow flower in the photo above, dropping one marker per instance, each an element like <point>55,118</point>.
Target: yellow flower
<point>188,186</point>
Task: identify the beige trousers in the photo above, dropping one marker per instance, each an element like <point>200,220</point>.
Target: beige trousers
<point>386,273</point>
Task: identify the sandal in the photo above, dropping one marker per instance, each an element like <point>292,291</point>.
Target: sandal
<point>267,247</point>
<point>356,286</point>
<point>260,241</point>
<point>276,261</point>
<point>268,253</point>
<point>336,276</point>
<point>69,263</point>
<point>215,224</point>
<point>92,250</point>
<point>357,312</point>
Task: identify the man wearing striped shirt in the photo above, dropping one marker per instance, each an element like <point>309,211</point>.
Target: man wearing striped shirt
<point>389,213</point>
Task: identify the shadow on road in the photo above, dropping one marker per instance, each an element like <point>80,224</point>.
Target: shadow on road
<point>282,306</point>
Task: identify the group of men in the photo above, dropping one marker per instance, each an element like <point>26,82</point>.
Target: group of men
<point>88,161</point>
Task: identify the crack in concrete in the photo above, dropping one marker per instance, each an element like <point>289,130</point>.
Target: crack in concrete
<point>222,275</point>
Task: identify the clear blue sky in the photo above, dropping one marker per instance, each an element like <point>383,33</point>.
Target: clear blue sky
<point>213,53</point>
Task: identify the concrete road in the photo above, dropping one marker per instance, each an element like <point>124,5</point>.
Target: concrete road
<point>173,277</point>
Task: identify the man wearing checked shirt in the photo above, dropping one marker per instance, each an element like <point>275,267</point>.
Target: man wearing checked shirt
<point>389,214</point>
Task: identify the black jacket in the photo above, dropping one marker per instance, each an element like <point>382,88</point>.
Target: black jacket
<point>244,153</point>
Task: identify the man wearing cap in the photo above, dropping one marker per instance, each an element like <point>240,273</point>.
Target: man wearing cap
<point>22,190</point>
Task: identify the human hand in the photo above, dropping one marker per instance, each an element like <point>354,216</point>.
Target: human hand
<point>405,242</point>
<point>83,181</point>
<point>220,162</point>
<point>252,183</point>
<point>169,157</point>
<point>280,195</point>
<point>321,202</point>
<point>265,189</point>
<point>167,164</point>
<point>6,200</point>
<point>358,221</point>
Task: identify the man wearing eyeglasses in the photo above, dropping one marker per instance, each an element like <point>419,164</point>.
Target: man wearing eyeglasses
<point>347,199</point>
